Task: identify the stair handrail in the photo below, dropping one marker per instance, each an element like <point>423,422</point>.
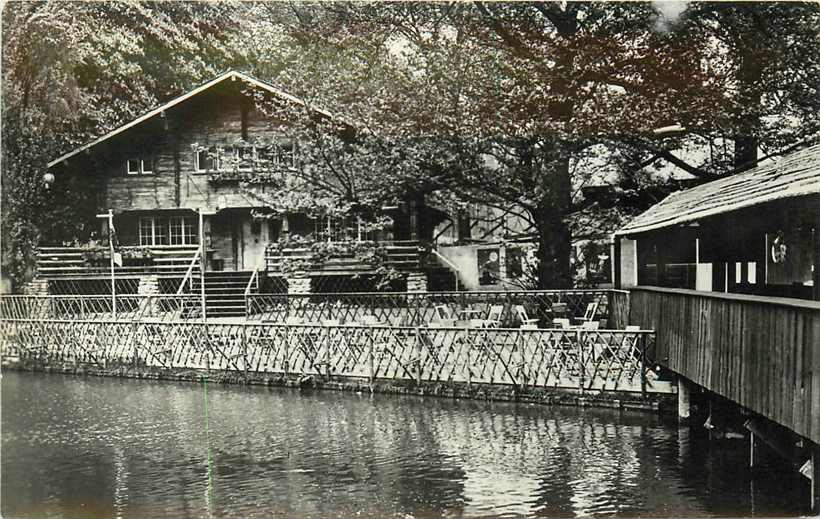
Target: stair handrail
<point>254,278</point>
<point>448,263</point>
<point>188,277</point>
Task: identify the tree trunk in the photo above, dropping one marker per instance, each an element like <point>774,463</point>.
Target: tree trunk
<point>748,118</point>
<point>554,246</point>
<point>554,235</point>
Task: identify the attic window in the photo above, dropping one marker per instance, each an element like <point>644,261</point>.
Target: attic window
<point>139,166</point>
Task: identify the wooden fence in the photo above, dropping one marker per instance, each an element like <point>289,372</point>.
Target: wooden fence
<point>761,352</point>
<point>586,360</point>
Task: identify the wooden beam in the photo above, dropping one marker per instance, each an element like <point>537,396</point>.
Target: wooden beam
<point>816,246</point>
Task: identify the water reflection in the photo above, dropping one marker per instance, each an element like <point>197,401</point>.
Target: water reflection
<point>76,447</point>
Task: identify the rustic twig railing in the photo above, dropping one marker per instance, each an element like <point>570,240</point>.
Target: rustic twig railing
<point>584,360</point>
<point>130,307</point>
<point>414,309</point>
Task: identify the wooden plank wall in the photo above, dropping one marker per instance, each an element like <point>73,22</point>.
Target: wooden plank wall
<point>213,119</point>
<point>763,353</point>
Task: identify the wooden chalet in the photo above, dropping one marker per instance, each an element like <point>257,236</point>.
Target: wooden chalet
<point>157,173</point>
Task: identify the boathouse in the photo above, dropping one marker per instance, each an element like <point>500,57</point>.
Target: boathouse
<point>726,273</point>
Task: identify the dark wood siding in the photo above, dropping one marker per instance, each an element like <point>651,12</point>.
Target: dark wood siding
<point>214,118</point>
<point>763,353</point>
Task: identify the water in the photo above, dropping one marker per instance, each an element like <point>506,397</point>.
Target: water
<point>95,447</point>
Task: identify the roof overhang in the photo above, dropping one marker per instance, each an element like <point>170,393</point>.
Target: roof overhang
<point>793,176</point>
<point>231,75</point>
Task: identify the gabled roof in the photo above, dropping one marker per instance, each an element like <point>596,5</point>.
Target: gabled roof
<point>794,175</point>
<point>232,75</point>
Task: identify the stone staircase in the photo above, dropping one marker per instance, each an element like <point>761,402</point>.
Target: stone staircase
<point>224,293</point>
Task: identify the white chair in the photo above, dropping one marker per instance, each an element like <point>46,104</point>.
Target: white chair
<point>443,316</point>
<point>521,312</point>
<point>493,319</point>
<point>561,323</point>
<point>590,325</point>
<point>589,314</point>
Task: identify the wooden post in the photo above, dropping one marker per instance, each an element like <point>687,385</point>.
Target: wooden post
<point>751,449</point>
<point>328,344</point>
<point>684,395</point>
<point>245,352</point>
<point>202,270</point>
<point>418,355</point>
<point>285,357</point>
<point>581,367</point>
<point>815,478</point>
<point>616,262</point>
<point>135,336</point>
<point>643,363</point>
<point>816,275</point>
<point>469,364</point>
<point>111,253</point>
<point>371,363</point>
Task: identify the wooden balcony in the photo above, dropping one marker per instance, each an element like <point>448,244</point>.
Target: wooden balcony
<point>73,262</point>
<point>761,352</point>
<point>401,255</point>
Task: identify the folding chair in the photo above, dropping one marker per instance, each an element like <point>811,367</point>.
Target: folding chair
<point>493,319</point>
<point>521,312</point>
<point>589,314</point>
<point>443,315</point>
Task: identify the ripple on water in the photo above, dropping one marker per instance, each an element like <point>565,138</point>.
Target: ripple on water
<point>141,449</point>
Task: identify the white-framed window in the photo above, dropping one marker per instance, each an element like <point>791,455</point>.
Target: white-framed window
<point>146,231</point>
<point>206,160</point>
<point>176,230</point>
<point>282,155</point>
<point>239,157</point>
<point>153,231</point>
<point>139,166</point>
<point>183,230</point>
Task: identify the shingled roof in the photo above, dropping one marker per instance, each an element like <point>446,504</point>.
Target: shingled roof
<point>230,75</point>
<point>794,175</point>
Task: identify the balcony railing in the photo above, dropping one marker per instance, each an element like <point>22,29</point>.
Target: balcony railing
<point>401,255</point>
<point>76,262</point>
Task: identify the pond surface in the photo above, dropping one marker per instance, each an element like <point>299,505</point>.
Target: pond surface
<point>101,447</point>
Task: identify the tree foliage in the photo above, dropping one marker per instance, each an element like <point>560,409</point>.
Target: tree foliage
<point>513,105</point>
<point>70,72</point>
